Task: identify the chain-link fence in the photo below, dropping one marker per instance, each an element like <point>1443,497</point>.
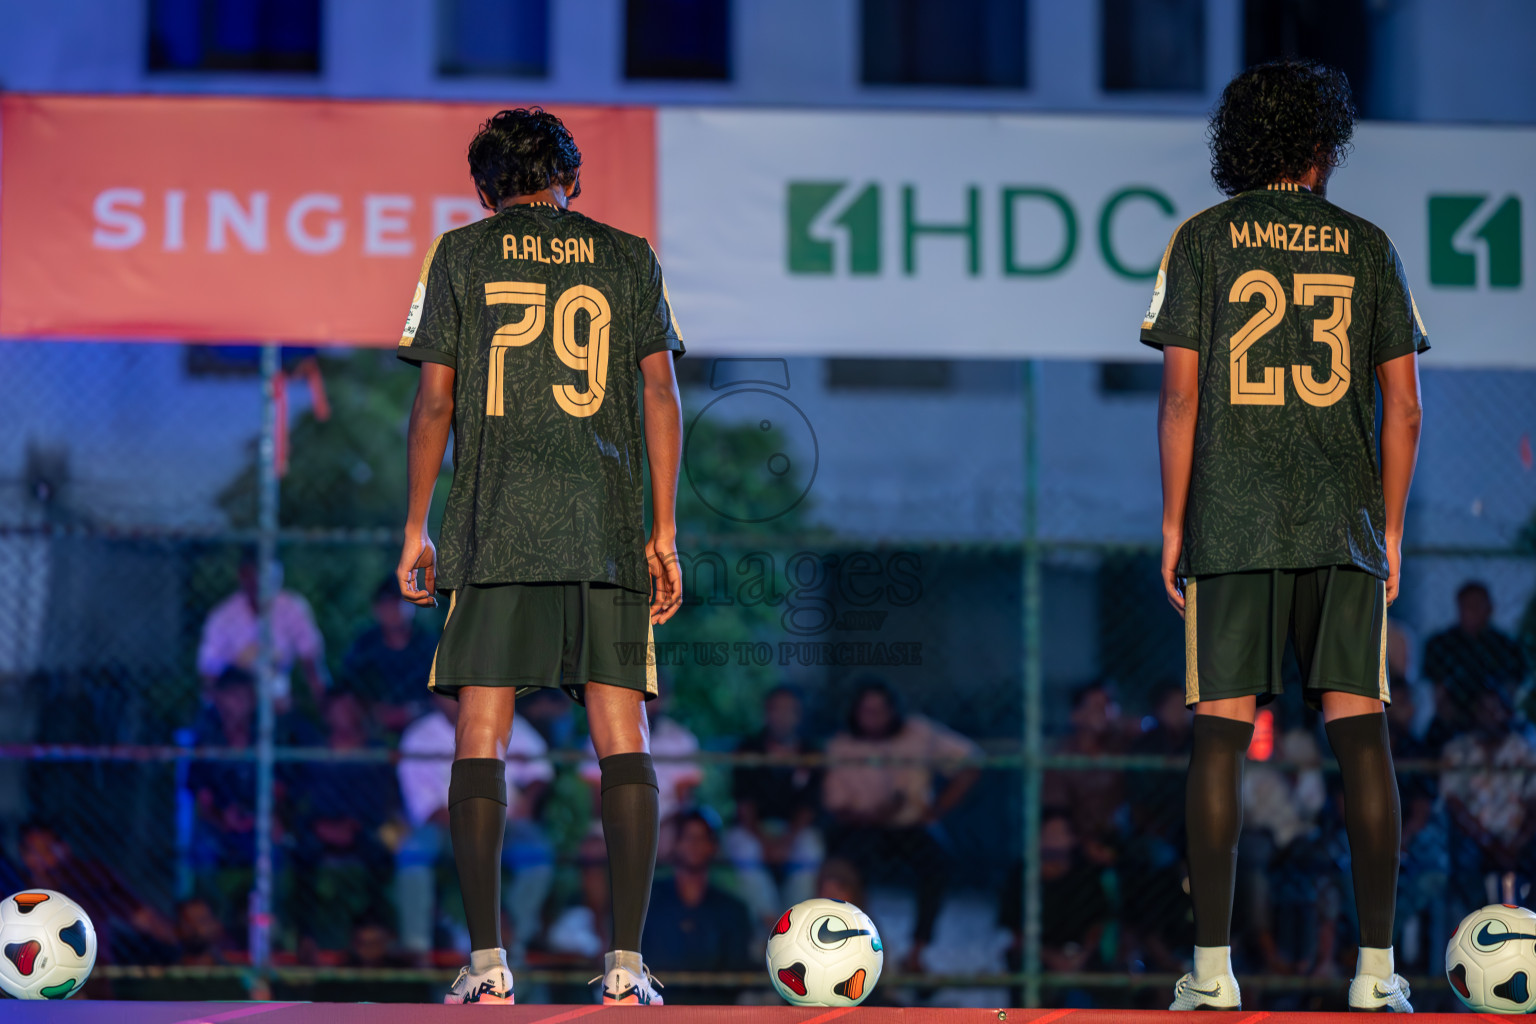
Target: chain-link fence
<point>926,665</point>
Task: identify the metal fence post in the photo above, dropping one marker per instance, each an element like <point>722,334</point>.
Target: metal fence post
<point>261,913</point>
<point>1032,683</point>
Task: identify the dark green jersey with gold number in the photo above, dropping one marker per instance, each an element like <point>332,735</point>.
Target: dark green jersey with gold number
<point>545,315</point>
<point>1292,303</point>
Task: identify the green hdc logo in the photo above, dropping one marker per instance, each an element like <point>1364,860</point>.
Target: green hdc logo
<point>836,227</point>
<point>1467,230</point>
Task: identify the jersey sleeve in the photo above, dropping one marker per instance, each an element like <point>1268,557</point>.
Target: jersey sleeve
<point>1397,328</point>
<point>1173,318</point>
<point>431,332</point>
<point>658,324</point>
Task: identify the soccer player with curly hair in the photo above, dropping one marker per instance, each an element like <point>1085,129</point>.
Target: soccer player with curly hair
<point>1278,314</point>
<point>540,334</point>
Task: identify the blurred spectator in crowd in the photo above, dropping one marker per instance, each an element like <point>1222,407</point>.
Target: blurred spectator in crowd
<point>694,925</point>
<point>673,747</point>
<point>887,816</point>
<point>203,942</point>
<point>389,662</point>
<point>1471,655</point>
<point>128,930</point>
<point>1094,797</point>
<point>426,751</point>
<point>231,636</point>
<point>1426,839</point>
<point>1283,858</point>
<point>1074,909</point>
<point>841,879</point>
<point>774,841</point>
<point>1489,788</point>
<point>200,935</point>
<point>223,792</point>
<point>552,713</point>
<point>1159,926</point>
<point>340,807</point>
<point>582,929</point>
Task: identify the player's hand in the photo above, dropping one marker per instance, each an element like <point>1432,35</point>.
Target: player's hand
<point>418,553</point>
<point>666,576</point>
<point>1394,567</point>
<point>1173,547</point>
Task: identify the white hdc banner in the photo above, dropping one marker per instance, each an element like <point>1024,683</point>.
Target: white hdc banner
<point>1007,236</point>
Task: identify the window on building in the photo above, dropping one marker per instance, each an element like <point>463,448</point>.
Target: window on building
<point>234,35</point>
<point>1335,32</point>
<point>677,39</point>
<point>890,374</point>
<point>1153,45</point>
<point>940,42</point>
<point>506,38</point>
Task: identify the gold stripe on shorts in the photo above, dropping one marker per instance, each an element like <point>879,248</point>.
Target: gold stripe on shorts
<point>1191,651</point>
<point>1383,686</point>
<point>651,686</point>
<point>432,676</point>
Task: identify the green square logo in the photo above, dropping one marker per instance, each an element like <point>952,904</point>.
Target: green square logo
<point>1453,260</point>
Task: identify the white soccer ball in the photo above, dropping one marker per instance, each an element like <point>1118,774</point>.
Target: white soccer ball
<point>1491,959</point>
<point>47,945</point>
<point>825,953</point>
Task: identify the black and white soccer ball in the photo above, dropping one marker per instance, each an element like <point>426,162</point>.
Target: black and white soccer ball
<point>1491,959</point>
<point>47,945</point>
<point>825,952</point>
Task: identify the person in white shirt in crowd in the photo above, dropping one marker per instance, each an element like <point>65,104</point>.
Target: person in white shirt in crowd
<point>231,636</point>
<point>673,745</point>
<point>426,750</point>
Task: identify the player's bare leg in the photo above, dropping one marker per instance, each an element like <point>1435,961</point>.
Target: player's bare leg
<point>477,822</point>
<point>1214,816</point>
<point>1357,731</point>
<point>621,735</point>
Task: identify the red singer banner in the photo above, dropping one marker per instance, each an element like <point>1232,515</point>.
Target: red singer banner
<point>235,219</point>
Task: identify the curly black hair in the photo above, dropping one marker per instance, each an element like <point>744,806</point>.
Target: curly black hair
<point>523,151</point>
<point>1277,121</point>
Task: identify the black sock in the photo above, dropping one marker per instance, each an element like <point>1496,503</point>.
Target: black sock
<point>477,820</point>
<point>1373,818</point>
<point>1213,797</point>
<point>630,825</point>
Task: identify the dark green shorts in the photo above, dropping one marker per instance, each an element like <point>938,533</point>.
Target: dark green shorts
<point>530,635</point>
<point>1235,627</point>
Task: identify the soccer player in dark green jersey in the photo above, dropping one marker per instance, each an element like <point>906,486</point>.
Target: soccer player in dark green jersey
<point>1278,314</point>
<point>541,334</point>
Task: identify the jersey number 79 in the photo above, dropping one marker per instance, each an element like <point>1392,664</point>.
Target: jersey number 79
<point>590,356</point>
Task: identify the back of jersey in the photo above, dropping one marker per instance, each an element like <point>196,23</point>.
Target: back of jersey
<point>1291,303</point>
<point>545,315</point>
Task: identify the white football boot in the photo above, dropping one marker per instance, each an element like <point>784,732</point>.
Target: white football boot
<point>1219,992</point>
<point>623,986</point>
<point>492,987</point>
<point>1379,995</point>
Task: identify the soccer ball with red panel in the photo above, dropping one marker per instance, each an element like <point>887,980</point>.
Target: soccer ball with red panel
<point>47,945</point>
<point>1491,959</point>
<point>825,952</point>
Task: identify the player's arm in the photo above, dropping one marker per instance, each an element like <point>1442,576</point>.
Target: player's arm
<point>663,450</point>
<point>1177,404</point>
<point>426,442</point>
<point>1401,418</point>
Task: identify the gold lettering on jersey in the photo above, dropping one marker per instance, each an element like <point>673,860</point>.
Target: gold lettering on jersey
<point>561,250</point>
<point>533,298</point>
<point>1301,237</point>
